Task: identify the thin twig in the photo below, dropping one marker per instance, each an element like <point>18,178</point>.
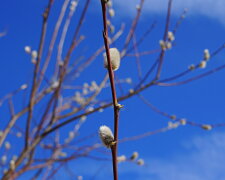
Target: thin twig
<point>162,54</point>
<point>54,36</point>
<point>137,57</point>
<point>193,78</point>
<point>62,40</point>
<point>179,75</point>
<point>66,61</point>
<point>132,29</point>
<point>36,70</point>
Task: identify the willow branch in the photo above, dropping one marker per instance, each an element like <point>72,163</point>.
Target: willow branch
<point>113,90</point>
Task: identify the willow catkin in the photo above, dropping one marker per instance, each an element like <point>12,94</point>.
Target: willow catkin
<point>106,136</point>
<point>114,58</point>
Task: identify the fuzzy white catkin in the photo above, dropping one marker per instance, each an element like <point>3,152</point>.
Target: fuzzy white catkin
<point>27,49</point>
<point>111,12</point>
<point>121,158</point>
<point>114,57</point>
<point>206,54</point>
<point>106,136</point>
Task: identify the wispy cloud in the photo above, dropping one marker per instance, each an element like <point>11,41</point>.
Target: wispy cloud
<point>210,8</point>
<point>202,158</point>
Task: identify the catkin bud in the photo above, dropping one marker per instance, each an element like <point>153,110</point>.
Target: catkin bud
<point>134,156</point>
<point>140,162</point>
<point>171,36</point>
<point>109,4</point>
<point>173,117</point>
<point>121,158</point>
<point>131,91</point>
<point>111,12</point>
<point>73,5</point>
<point>138,7</point>
<point>129,80</point>
<point>206,54</point>
<point>206,127</point>
<point>34,54</point>
<point>112,28</point>
<point>18,134</point>
<point>24,86</point>
<point>7,145</point>
<point>27,49</point>
<point>106,136</point>
<point>202,64</point>
<point>114,57</point>
<point>183,121</point>
<point>3,159</point>
<point>12,165</point>
<point>62,154</point>
<point>162,45</point>
<point>192,67</point>
<point>168,45</point>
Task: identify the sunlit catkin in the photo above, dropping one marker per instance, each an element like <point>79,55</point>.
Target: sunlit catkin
<point>106,136</point>
<point>114,59</point>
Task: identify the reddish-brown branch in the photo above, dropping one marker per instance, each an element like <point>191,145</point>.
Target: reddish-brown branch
<point>113,90</point>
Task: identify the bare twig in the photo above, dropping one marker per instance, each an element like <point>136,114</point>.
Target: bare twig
<point>36,70</point>
<point>133,27</point>
<point>161,56</point>
<point>63,71</point>
<point>193,78</point>
<point>54,36</point>
<point>62,40</point>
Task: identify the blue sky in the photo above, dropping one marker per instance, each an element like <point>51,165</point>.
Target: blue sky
<point>184,153</point>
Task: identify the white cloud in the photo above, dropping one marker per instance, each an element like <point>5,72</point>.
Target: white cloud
<point>201,158</point>
<point>210,8</point>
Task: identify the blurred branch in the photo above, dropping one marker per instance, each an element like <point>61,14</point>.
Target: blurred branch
<point>36,70</point>
<point>54,36</point>
<point>132,29</point>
